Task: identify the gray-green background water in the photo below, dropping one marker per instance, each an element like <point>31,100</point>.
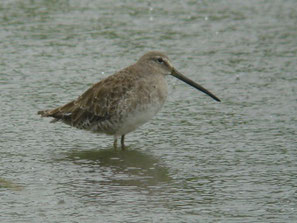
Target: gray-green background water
<point>197,160</point>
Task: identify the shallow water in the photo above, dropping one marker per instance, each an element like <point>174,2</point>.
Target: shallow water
<point>197,160</point>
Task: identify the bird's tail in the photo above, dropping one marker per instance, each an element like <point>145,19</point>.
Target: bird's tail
<point>60,113</point>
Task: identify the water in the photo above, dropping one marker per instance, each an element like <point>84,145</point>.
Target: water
<point>197,160</point>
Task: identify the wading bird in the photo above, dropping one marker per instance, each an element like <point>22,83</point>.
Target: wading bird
<point>123,101</point>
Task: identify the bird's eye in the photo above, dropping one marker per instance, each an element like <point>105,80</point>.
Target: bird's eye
<point>160,60</point>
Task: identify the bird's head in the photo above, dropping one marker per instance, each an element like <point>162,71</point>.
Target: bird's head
<point>159,63</point>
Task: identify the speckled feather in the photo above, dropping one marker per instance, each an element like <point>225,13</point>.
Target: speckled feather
<point>105,106</point>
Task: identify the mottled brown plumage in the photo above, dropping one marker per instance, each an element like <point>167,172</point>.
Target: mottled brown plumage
<point>123,101</point>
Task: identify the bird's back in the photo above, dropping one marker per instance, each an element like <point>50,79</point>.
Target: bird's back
<point>106,105</point>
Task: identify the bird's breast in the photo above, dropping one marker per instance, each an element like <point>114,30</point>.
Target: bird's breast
<point>147,100</point>
<point>137,117</point>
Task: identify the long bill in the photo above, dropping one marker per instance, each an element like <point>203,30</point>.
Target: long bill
<point>183,78</point>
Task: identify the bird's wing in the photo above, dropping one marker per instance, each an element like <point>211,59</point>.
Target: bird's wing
<point>99,102</point>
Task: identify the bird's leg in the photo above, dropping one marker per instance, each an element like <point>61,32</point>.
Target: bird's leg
<point>123,142</point>
<point>115,143</point>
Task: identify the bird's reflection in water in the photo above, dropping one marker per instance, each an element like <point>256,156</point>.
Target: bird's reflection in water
<point>120,168</point>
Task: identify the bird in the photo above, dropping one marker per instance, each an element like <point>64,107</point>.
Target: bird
<point>122,102</point>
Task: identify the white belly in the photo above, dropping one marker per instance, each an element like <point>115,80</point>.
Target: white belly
<point>137,118</point>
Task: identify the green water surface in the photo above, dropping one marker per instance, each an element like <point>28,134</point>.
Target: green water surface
<point>197,160</point>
